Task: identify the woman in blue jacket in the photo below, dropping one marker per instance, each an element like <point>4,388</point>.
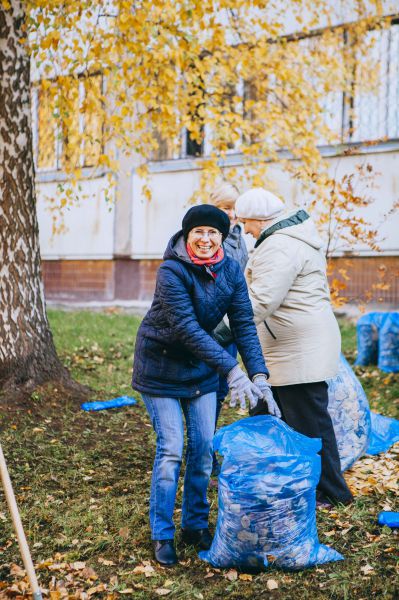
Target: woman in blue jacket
<point>177,364</point>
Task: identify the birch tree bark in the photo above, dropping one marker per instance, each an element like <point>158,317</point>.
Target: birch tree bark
<point>27,353</point>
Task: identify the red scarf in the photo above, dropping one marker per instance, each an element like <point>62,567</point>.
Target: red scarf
<point>217,257</point>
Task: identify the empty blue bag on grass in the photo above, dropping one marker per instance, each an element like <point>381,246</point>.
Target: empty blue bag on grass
<point>384,433</point>
<point>388,344</point>
<point>105,404</point>
<point>350,413</point>
<point>389,518</point>
<point>367,328</point>
<point>267,498</point>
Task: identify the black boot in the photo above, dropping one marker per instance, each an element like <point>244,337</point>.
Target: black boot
<point>197,537</point>
<point>164,552</point>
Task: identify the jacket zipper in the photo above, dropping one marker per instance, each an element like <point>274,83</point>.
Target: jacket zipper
<point>210,272</point>
<point>269,330</point>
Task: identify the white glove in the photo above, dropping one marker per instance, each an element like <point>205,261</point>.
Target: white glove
<point>268,398</point>
<point>241,388</point>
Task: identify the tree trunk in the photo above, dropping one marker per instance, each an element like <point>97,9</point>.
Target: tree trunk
<point>27,354</point>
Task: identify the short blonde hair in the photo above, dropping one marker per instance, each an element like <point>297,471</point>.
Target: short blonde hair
<point>224,194</point>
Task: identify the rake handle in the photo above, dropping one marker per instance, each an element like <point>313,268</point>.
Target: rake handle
<point>19,530</point>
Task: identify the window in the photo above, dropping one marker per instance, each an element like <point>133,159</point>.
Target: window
<point>92,120</point>
<point>61,114</point>
<point>192,146</point>
<point>369,112</point>
<point>47,128</point>
<point>375,104</point>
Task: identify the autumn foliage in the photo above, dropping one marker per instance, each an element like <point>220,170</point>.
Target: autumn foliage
<point>255,79</point>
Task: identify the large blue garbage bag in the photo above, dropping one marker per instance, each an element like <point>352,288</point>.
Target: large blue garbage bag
<point>388,346</point>
<point>350,413</point>
<point>368,327</point>
<point>384,433</point>
<point>267,498</point>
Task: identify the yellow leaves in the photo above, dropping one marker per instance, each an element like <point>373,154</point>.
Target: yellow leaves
<point>245,577</point>
<point>106,160</point>
<point>5,4</point>
<point>146,71</point>
<point>377,474</point>
<point>51,40</point>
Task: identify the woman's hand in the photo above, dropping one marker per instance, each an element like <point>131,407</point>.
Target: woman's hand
<point>268,399</point>
<point>241,388</point>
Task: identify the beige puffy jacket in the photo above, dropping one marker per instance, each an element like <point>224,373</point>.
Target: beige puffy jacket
<point>288,287</point>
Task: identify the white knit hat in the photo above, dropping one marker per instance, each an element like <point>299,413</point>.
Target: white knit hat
<point>260,204</point>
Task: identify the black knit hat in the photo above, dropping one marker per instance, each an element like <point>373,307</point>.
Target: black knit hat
<point>207,215</point>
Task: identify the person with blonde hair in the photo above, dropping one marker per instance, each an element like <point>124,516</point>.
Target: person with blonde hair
<point>224,197</point>
<point>299,334</point>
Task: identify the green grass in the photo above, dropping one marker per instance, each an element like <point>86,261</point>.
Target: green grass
<point>82,484</point>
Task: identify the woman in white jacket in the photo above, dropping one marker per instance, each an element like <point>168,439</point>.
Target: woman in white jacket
<point>288,288</point>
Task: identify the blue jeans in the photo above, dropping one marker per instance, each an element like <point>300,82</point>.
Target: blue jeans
<point>167,419</point>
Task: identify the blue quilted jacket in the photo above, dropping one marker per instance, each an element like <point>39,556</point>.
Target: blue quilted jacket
<point>175,353</point>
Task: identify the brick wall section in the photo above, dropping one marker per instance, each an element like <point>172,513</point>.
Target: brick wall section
<point>135,279</point>
<point>82,280</point>
<point>127,279</point>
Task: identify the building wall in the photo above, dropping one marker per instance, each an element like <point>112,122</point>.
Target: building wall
<point>368,279</point>
<point>109,249</point>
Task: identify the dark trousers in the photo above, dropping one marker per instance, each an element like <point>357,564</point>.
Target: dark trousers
<point>304,408</point>
<point>221,394</point>
<point>223,387</point>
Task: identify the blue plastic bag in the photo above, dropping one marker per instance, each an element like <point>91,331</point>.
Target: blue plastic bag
<point>267,498</point>
<point>384,433</point>
<point>368,327</point>
<point>114,403</point>
<point>388,345</point>
<point>389,518</point>
<point>350,413</point>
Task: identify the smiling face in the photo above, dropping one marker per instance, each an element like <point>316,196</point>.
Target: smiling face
<point>254,226</point>
<point>204,241</point>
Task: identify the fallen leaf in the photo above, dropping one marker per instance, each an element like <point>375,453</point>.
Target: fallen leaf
<point>209,575</point>
<point>366,569</point>
<point>271,584</point>
<point>124,532</point>
<point>77,566</point>
<point>89,573</point>
<point>162,591</point>
<point>245,577</point>
<point>147,570</point>
<point>231,575</point>
<point>98,588</point>
<point>126,591</point>
<point>57,566</point>
<point>17,571</point>
<point>105,562</point>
